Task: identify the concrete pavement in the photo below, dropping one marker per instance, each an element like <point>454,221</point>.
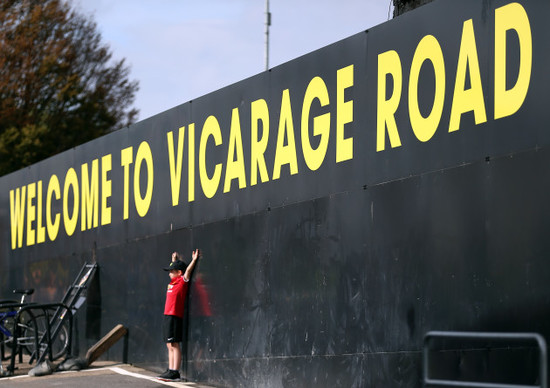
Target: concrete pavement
<point>100,374</point>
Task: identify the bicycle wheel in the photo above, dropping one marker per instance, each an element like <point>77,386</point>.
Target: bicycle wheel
<point>36,328</point>
<point>29,331</point>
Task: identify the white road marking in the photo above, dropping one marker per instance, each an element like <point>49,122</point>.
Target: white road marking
<point>140,376</point>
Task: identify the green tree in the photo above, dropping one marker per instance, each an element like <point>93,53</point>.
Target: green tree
<point>59,86</point>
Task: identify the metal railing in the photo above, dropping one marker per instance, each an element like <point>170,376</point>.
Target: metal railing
<point>42,342</point>
<point>479,336</point>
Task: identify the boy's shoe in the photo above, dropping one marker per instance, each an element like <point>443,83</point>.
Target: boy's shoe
<point>170,375</point>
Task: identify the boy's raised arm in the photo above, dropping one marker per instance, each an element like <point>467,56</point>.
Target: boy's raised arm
<point>194,257</point>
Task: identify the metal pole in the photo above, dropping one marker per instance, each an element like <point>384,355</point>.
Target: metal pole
<point>267,24</point>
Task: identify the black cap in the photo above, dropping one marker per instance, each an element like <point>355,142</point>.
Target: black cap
<point>177,265</point>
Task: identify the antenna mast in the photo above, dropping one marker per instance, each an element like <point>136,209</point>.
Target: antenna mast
<point>267,24</point>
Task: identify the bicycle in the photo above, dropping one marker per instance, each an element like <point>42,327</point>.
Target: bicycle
<point>7,329</point>
<point>32,327</point>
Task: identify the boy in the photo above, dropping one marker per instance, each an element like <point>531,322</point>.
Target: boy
<point>180,274</point>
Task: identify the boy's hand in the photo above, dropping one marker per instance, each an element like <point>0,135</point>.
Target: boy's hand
<point>174,256</point>
<point>194,256</point>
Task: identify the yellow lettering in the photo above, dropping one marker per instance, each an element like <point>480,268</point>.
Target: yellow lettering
<point>512,17</point>
<point>71,180</point>
<point>258,112</point>
<point>106,189</point>
<point>191,168</point>
<point>40,229</point>
<point>344,114</point>
<point>143,155</point>
<point>31,213</point>
<point>17,216</point>
<point>53,188</point>
<point>471,99</point>
<point>176,164</point>
<point>209,185</point>
<point>126,159</point>
<point>316,89</point>
<point>90,197</point>
<point>235,166</point>
<point>428,49</point>
<point>389,63</point>
<point>285,154</point>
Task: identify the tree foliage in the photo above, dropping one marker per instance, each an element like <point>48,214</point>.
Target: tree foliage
<point>59,86</point>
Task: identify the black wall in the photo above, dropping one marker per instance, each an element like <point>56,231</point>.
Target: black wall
<point>325,276</point>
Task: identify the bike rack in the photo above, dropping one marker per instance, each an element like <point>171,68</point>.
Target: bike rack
<point>512,337</point>
<point>71,301</point>
<point>48,336</point>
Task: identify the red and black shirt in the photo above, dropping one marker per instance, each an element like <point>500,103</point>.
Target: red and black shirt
<point>175,297</point>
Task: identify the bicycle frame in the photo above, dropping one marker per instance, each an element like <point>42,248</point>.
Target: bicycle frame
<point>12,305</point>
<point>3,316</point>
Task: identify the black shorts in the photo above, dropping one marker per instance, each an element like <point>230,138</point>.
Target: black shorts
<point>173,328</point>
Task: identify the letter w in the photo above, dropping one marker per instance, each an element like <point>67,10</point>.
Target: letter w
<point>17,216</point>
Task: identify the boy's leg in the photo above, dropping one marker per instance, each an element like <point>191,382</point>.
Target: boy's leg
<point>174,355</point>
<point>172,335</point>
<point>170,354</point>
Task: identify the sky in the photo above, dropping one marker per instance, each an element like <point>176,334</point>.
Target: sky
<point>180,50</point>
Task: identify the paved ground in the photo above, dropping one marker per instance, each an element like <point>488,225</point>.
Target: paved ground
<point>100,374</point>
